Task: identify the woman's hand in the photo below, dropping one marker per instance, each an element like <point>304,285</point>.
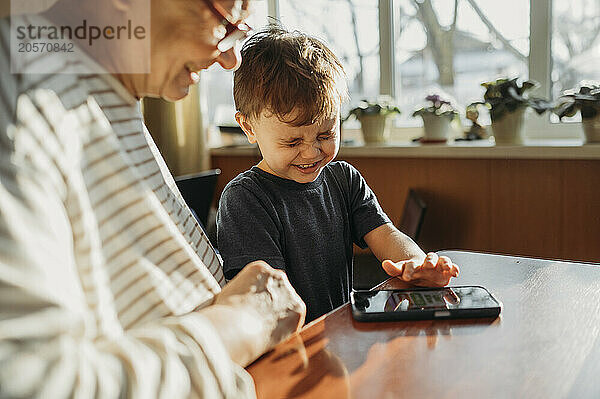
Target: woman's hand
<point>434,271</point>
<point>255,311</point>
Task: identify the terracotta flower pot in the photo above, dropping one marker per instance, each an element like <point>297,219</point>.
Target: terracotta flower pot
<point>375,128</point>
<point>509,128</point>
<point>591,129</point>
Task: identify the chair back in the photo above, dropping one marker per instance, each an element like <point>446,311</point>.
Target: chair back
<point>413,215</point>
<point>198,191</point>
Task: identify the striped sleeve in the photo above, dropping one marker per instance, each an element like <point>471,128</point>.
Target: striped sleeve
<point>55,341</point>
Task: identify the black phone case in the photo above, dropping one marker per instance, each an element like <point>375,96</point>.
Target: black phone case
<point>426,314</point>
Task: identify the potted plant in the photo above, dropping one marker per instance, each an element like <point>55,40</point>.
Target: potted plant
<point>437,116</point>
<point>476,131</point>
<point>587,101</point>
<point>374,119</point>
<point>507,101</point>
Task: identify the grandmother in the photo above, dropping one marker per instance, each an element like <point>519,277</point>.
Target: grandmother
<point>108,287</point>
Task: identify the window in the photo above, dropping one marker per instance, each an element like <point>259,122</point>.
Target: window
<point>536,39</point>
<point>353,37</point>
<point>218,83</point>
<point>453,46</point>
<point>448,45</point>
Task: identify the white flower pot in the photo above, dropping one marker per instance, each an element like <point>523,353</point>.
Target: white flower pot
<point>591,129</point>
<point>509,128</point>
<point>375,128</point>
<point>436,128</point>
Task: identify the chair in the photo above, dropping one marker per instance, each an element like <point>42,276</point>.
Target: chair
<point>367,271</point>
<point>413,215</point>
<point>198,191</point>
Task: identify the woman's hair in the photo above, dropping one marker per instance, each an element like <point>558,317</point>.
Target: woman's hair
<point>290,75</point>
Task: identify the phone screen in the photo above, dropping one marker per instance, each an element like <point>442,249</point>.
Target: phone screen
<point>428,299</point>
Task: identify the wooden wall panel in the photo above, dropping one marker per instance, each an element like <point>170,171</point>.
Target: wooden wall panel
<point>526,205</point>
<point>542,208</point>
<point>580,199</point>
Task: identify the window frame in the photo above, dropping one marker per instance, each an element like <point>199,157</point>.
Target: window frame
<point>540,70</point>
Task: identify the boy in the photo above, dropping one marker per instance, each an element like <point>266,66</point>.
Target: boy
<point>297,210</point>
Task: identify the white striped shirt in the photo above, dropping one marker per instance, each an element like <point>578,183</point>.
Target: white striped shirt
<point>101,261</point>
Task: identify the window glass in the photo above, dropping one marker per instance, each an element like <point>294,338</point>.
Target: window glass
<point>350,28</point>
<point>454,46</point>
<point>575,44</point>
<point>219,82</point>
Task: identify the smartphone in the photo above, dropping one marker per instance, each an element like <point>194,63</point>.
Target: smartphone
<point>424,303</point>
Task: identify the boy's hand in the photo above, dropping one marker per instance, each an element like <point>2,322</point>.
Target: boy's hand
<point>434,271</point>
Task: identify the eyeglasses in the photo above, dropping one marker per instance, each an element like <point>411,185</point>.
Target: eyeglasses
<point>235,31</point>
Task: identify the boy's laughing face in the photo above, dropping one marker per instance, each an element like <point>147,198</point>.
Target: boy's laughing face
<point>296,153</point>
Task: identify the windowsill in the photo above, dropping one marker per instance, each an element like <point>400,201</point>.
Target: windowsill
<point>544,141</point>
<point>532,149</point>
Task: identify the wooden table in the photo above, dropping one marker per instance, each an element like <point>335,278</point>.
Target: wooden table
<point>544,344</point>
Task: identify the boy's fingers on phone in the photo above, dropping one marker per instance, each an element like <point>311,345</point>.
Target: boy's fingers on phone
<point>442,279</point>
<point>409,270</point>
<point>392,268</point>
<point>430,260</point>
<point>444,264</point>
<point>454,269</point>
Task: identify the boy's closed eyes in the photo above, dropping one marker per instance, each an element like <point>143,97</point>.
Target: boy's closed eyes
<point>321,137</point>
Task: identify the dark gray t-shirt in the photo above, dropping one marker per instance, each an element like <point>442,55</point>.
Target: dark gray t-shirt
<point>305,229</point>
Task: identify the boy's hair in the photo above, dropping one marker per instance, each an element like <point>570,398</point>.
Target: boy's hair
<point>290,75</point>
